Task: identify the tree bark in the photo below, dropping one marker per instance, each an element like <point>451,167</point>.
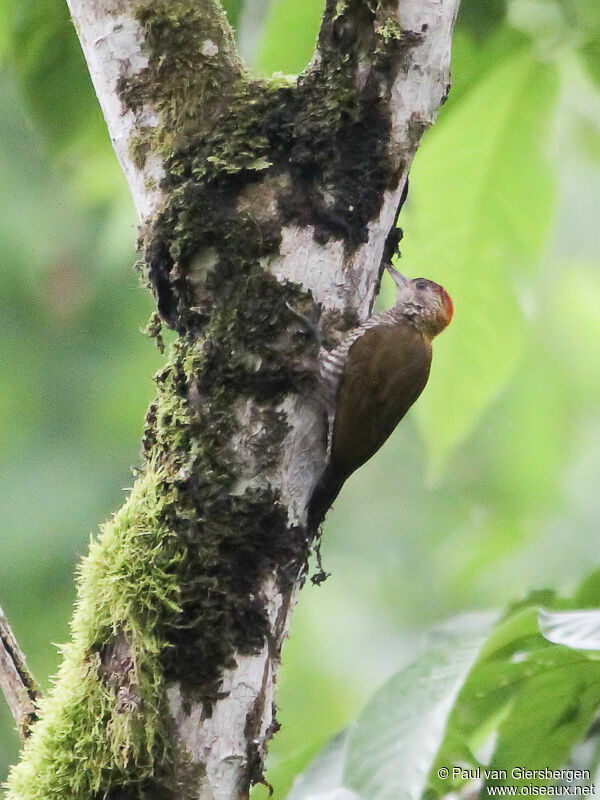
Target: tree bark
<point>20,690</point>
<point>261,201</point>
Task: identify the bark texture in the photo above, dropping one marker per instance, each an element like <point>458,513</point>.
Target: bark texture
<point>18,685</point>
<point>260,201</point>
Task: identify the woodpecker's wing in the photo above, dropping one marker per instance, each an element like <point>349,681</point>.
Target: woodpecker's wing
<point>332,362</point>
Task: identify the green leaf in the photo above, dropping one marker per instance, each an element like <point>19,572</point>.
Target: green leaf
<point>473,60</point>
<point>591,57</point>
<point>504,662</point>
<point>588,592</point>
<point>397,736</point>
<point>431,717</point>
<point>289,35</point>
<point>233,9</point>
<point>49,64</point>
<point>481,201</point>
<point>549,715</point>
<point>515,630</point>
<point>46,58</point>
<point>323,778</point>
<point>481,17</point>
<point>536,699</point>
<point>511,665</point>
<point>579,630</point>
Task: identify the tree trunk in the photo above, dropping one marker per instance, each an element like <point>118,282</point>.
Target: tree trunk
<point>261,201</point>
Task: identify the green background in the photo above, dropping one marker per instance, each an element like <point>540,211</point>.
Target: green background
<point>488,489</point>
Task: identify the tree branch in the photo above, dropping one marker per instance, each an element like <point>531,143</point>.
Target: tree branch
<point>18,684</point>
<point>116,38</point>
<point>260,200</point>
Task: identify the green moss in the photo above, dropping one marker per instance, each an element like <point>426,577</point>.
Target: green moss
<point>153,329</point>
<point>139,145</point>
<point>230,540</point>
<point>388,32</point>
<point>192,56</point>
<point>88,740</point>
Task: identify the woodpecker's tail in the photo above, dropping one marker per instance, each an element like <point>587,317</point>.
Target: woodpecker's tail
<point>326,490</point>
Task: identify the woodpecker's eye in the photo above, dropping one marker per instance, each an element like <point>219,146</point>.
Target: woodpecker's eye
<point>421,284</point>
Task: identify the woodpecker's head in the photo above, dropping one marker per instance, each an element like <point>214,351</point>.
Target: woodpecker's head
<point>426,303</point>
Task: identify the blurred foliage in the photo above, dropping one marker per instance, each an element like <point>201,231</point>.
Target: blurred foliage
<point>481,17</point>
<point>233,9</point>
<point>284,16</point>
<point>488,489</point>
<point>480,704</point>
<point>495,195</point>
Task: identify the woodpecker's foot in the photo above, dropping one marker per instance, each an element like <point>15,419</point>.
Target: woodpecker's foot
<point>320,575</point>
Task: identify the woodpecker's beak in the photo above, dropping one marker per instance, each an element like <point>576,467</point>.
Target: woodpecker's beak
<point>399,279</point>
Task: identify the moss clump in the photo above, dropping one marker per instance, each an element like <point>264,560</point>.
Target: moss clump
<point>231,539</point>
<point>153,329</point>
<point>192,57</point>
<point>89,740</point>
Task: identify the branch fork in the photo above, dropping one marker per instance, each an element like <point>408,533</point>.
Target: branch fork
<point>254,196</point>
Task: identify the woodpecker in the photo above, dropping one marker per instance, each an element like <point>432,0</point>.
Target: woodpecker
<point>371,379</point>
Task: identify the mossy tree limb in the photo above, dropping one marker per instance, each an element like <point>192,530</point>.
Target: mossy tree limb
<point>262,201</point>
